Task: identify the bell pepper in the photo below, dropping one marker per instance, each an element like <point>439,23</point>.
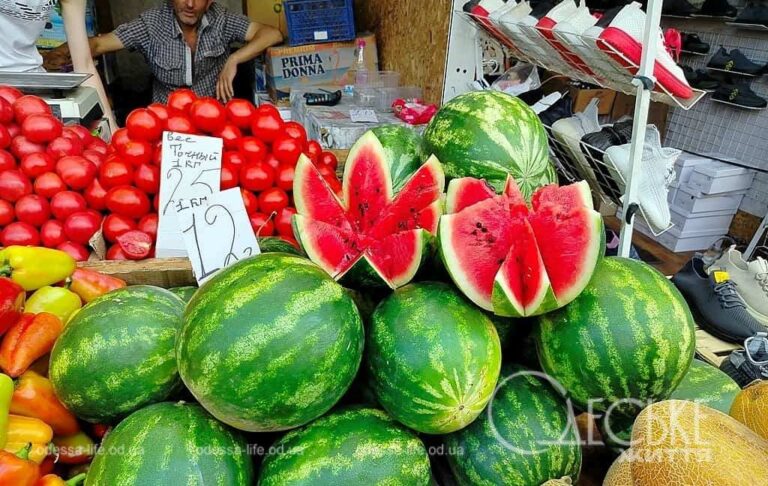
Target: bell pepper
<point>6,392</point>
<point>34,267</point>
<point>54,480</point>
<point>89,284</point>
<point>34,397</point>
<point>56,300</point>
<point>16,469</point>
<point>99,430</point>
<point>28,430</point>
<point>74,449</point>
<point>46,467</point>
<point>12,298</point>
<point>29,339</point>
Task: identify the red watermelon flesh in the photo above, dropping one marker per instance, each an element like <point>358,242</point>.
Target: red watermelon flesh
<point>314,197</point>
<point>466,191</point>
<point>574,195</point>
<point>367,187</point>
<point>340,248</point>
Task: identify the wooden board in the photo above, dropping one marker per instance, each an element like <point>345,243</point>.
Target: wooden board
<point>711,349</point>
<point>166,272</point>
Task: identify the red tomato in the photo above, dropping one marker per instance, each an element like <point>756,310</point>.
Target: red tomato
<point>41,128</point>
<point>120,138</point>
<point>5,138</point>
<point>148,224</point>
<point>52,233</point>
<point>137,153</point>
<point>326,171</point>
<point>82,133</point>
<point>72,136</point>
<point>49,184</point>
<point>229,176</point>
<point>284,177</point>
<point>156,202</point>
<point>65,146</point>
<point>10,94</point>
<point>14,185</point>
<point>179,124</point>
<point>284,221</point>
<point>136,244</point>
<point>286,149</point>
<point>253,149</point>
<point>115,172</point>
<point>66,203</point>
<point>115,225</point>
<point>95,195</point>
<point>6,111</point>
<point>250,201</point>
<point>267,124</point>
<point>29,105</point>
<point>96,157</point>
<point>157,157</point>
<point>21,146</point>
<point>7,214</point>
<point>143,124</point>
<point>13,130</point>
<point>33,209</point>
<point>115,253</point>
<point>181,99</point>
<point>256,176</point>
<point>272,162</point>
<point>262,225</point>
<point>128,201</point>
<point>160,111</point>
<point>231,136</point>
<point>267,108</point>
<point>98,145</point>
<point>76,172</point>
<point>75,250</point>
<point>296,131</point>
<point>329,159</point>
<point>233,158</point>
<point>240,112</point>
<point>313,151</point>
<point>7,161</point>
<point>147,178</point>
<point>81,226</point>
<point>272,200</point>
<point>19,233</point>
<point>37,164</point>
<point>208,115</point>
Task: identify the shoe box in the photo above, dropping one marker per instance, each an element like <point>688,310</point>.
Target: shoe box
<point>689,199</point>
<point>688,233</point>
<point>685,165</point>
<point>720,178</point>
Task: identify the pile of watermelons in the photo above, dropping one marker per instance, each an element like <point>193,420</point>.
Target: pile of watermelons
<point>392,337</point>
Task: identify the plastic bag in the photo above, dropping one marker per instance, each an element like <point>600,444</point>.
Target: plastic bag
<point>519,79</point>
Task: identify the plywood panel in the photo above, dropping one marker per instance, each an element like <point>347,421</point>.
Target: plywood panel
<point>412,39</point>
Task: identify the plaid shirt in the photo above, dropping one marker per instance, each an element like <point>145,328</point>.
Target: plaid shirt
<point>157,35</point>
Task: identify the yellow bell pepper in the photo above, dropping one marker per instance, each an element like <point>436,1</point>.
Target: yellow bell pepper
<point>28,430</point>
<point>6,392</point>
<point>58,301</point>
<point>34,267</point>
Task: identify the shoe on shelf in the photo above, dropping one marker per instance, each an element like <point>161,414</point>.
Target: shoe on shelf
<point>700,79</point>
<point>692,43</point>
<point>569,132</point>
<point>754,14</point>
<point>507,22</point>
<point>734,62</point>
<point>749,364</point>
<point>606,66</point>
<point>715,303</point>
<point>623,130</point>
<point>656,174</point>
<point>564,10</point>
<point>751,279</point>
<point>481,12</point>
<point>678,8</point>
<point>570,33</point>
<point>717,8</point>
<point>562,108</point>
<point>527,25</point>
<point>622,40</point>
<point>740,95</point>
<point>594,146</point>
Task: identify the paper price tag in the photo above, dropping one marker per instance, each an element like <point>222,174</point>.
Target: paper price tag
<point>363,116</point>
<point>219,234</point>
<point>190,173</point>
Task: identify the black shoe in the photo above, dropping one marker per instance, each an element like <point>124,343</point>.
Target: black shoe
<point>692,43</point>
<point>470,5</point>
<point>739,94</point>
<point>715,303</point>
<point>700,79</point>
<point>594,146</point>
<point>717,8</point>
<point>541,9</point>
<point>562,108</point>
<point>734,62</point>
<point>754,13</point>
<point>678,8</point>
<point>749,364</point>
<point>623,131</point>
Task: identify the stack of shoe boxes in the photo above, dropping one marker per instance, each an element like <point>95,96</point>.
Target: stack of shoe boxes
<point>702,202</point>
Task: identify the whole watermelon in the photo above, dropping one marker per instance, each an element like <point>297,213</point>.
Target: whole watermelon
<point>404,151</point>
<point>707,385</point>
<point>270,343</point>
<point>626,340</point>
<point>488,135</point>
<point>185,293</point>
<point>361,446</point>
<point>117,354</point>
<point>273,244</point>
<point>433,357</point>
<point>171,444</point>
<point>526,436</point>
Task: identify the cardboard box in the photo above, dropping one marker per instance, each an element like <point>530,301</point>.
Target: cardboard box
<point>718,177</point>
<point>269,12</point>
<point>624,105</point>
<point>582,97</point>
<point>314,65</point>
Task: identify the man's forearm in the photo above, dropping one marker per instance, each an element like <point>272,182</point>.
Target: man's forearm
<point>266,37</point>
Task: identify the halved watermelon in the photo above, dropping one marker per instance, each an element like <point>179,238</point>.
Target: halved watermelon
<point>374,235</point>
<point>518,261</point>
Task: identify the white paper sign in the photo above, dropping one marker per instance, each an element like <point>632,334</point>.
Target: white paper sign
<point>190,173</point>
<point>218,234</point>
<point>359,115</point>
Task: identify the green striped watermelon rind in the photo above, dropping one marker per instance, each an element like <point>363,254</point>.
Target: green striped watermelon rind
<point>117,354</point>
<point>435,379</point>
<point>627,339</point>
<point>270,343</point>
<point>526,435</point>
<point>404,150</point>
<point>351,446</point>
<point>171,444</point>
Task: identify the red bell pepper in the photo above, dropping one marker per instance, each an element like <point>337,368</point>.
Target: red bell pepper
<point>12,297</point>
<point>54,480</point>
<point>75,449</point>
<point>17,470</point>
<point>32,337</point>
<point>34,397</point>
<point>89,284</point>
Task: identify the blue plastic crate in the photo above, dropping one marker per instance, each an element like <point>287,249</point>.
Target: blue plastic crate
<point>314,21</point>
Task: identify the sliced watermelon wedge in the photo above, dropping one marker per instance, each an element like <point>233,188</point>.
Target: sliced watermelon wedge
<point>517,261</point>
<point>466,191</point>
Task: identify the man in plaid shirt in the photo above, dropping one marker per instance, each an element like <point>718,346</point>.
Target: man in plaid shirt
<point>186,43</point>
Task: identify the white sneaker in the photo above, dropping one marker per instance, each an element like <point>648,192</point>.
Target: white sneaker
<point>561,12</point>
<point>751,279</point>
<point>482,12</point>
<point>656,173</point>
<point>569,32</point>
<point>599,60</point>
<point>550,58</point>
<point>507,22</point>
<point>568,131</point>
